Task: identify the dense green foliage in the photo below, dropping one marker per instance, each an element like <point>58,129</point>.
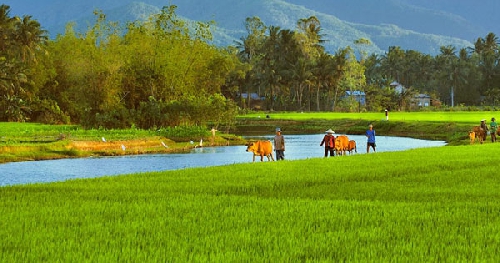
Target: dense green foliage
<point>438,204</point>
<point>155,74</point>
<point>163,73</point>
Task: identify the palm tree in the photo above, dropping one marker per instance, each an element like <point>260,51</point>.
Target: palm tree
<point>270,74</point>
<point>248,46</point>
<point>359,43</point>
<point>301,77</point>
<point>30,36</point>
<point>491,43</point>
<point>323,70</point>
<point>340,61</point>
<point>249,49</point>
<point>392,64</point>
<point>489,58</point>
<point>452,72</point>
<point>312,39</point>
<point>6,28</point>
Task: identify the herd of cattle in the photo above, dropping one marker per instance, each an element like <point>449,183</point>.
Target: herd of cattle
<point>344,145</point>
<point>265,148</point>
<point>479,134</point>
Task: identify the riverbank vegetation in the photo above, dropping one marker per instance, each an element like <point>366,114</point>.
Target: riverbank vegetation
<point>433,203</point>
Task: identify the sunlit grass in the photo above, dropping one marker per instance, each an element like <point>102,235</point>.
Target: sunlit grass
<point>469,117</point>
<point>432,204</point>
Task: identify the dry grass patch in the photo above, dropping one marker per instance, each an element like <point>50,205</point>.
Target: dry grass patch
<point>124,146</point>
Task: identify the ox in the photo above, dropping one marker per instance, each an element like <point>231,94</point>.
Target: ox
<point>352,146</point>
<point>341,144</point>
<point>261,148</point>
<point>480,134</point>
<point>472,137</point>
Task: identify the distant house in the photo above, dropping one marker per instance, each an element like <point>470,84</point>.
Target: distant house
<point>399,88</point>
<point>422,100</point>
<point>256,101</point>
<point>359,96</point>
<point>253,96</point>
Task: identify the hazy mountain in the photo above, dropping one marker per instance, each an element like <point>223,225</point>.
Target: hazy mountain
<point>422,25</point>
<point>453,18</point>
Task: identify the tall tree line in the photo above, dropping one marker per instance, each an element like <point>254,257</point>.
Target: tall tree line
<point>154,73</point>
<point>162,72</point>
<point>292,71</point>
<point>21,44</point>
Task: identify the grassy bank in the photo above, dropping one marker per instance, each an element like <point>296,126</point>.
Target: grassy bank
<point>33,141</point>
<point>432,204</point>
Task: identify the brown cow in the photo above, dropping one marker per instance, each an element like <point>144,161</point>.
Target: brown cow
<point>480,133</point>
<point>341,144</point>
<point>261,148</point>
<point>352,146</point>
<point>472,137</point>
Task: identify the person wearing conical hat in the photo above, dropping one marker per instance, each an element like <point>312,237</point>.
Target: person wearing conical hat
<point>329,142</point>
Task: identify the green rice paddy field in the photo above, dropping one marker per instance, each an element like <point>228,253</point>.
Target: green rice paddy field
<point>467,117</point>
<point>424,205</point>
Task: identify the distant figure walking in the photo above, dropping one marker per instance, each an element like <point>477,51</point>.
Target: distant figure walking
<point>279,145</point>
<point>386,115</point>
<point>493,130</point>
<point>329,142</point>
<point>370,135</point>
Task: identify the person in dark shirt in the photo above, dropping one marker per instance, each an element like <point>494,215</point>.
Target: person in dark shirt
<point>279,145</point>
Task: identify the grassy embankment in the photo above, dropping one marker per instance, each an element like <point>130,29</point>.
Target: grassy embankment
<point>434,204</point>
<point>31,141</point>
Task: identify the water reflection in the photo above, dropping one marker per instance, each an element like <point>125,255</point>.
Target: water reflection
<point>297,147</point>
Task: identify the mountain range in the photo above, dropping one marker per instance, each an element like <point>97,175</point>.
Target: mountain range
<point>422,25</point>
